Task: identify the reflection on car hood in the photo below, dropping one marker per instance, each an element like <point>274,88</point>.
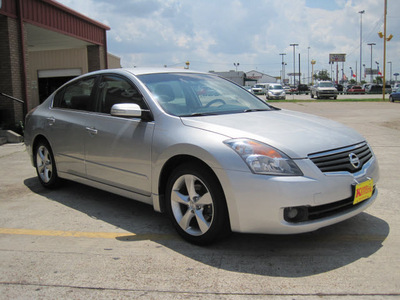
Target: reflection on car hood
<point>296,134</point>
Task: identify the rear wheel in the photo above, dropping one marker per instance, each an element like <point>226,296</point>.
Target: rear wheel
<point>391,99</point>
<point>45,165</point>
<point>196,204</point>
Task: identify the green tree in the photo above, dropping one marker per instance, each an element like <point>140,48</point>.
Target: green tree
<point>322,75</point>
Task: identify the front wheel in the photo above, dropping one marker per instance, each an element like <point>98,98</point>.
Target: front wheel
<point>196,204</point>
<point>45,165</point>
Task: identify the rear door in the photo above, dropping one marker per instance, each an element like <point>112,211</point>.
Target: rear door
<point>72,106</point>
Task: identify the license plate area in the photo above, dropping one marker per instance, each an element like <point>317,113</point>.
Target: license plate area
<point>363,191</point>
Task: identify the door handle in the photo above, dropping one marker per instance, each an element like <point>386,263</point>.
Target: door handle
<point>51,121</point>
<point>91,130</point>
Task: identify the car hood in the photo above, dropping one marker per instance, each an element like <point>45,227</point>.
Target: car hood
<point>296,134</point>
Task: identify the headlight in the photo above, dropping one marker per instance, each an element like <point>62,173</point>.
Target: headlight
<point>264,159</point>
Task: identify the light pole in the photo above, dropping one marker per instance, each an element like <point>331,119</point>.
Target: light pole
<point>236,65</point>
<point>283,68</point>
<point>361,13</point>
<point>294,62</point>
<point>308,66</point>
<point>371,44</point>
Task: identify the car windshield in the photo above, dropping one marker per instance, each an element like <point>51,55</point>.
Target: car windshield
<point>326,84</point>
<point>275,87</point>
<point>190,94</point>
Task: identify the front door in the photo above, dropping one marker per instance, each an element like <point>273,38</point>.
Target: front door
<point>118,150</point>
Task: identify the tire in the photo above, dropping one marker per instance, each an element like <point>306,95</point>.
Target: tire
<point>45,165</point>
<point>312,96</point>
<point>391,99</point>
<point>196,204</point>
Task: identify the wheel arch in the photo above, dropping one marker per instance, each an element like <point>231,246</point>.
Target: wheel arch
<point>36,140</point>
<point>168,168</point>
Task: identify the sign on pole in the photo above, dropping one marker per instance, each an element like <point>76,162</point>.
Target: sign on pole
<point>337,58</point>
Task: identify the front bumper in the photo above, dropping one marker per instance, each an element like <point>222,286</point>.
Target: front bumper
<point>257,203</point>
<point>276,97</point>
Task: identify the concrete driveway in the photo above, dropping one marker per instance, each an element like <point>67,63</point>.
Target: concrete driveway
<point>80,243</point>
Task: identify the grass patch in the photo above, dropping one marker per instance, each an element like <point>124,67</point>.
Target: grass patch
<point>330,100</point>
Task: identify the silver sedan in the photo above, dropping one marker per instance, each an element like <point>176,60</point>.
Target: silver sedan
<point>202,149</point>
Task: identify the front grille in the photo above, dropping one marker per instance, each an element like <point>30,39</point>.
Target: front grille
<point>338,160</point>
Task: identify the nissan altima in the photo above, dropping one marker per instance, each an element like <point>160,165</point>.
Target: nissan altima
<point>215,162</point>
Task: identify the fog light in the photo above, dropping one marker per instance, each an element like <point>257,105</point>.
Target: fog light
<point>292,212</point>
<point>295,214</point>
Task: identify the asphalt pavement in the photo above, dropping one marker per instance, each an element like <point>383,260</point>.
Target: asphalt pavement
<point>77,242</point>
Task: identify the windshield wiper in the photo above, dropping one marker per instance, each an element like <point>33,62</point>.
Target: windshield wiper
<point>199,114</point>
<point>256,109</point>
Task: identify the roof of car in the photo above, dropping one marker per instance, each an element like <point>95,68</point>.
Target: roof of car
<point>142,71</point>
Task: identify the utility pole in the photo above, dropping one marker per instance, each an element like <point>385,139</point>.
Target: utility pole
<point>361,13</point>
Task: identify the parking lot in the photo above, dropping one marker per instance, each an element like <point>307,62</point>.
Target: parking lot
<point>77,242</point>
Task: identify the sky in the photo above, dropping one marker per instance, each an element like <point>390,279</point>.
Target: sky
<point>216,34</point>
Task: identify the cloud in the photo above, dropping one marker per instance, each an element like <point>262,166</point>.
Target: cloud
<point>213,35</point>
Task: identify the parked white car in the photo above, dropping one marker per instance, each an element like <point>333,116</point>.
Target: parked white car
<point>275,91</point>
<point>260,88</point>
<point>324,89</point>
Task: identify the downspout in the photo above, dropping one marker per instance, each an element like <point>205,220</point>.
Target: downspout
<point>23,48</point>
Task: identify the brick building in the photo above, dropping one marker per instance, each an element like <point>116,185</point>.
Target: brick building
<point>44,44</point>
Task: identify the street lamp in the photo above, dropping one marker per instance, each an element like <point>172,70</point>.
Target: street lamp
<point>371,44</point>
<point>236,65</point>
<point>308,65</point>
<point>361,13</point>
<point>283,68</point>
<point>294,62</point>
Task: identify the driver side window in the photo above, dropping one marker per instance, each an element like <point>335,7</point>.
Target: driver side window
<point>114,90</point>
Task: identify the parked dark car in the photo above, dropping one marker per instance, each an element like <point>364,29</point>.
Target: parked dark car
<point>339,87</point>
<point>377,89</point>
<point>395,96</point>
<point>303,89</point>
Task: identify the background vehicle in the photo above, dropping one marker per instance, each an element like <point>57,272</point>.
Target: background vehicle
<point>275,91</point>
<point>340,88</point>
<point>260,88</point>
<point>303,89</point>
<point>395,96</point>
<point>356,89</point>
<point>324,89</point>
<point>200,148</point>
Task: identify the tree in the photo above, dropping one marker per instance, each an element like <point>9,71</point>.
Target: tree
<point>322,75</point>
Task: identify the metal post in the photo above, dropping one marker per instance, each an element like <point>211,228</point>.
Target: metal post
<point>371,44</point>
<point>294,62</point>
<point>361,13</point>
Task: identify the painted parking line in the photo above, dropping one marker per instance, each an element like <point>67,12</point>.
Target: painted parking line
<point>79,234</point>
<point>154,236</point>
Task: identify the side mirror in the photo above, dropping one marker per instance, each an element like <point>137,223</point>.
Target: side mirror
<point>126,110</point>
